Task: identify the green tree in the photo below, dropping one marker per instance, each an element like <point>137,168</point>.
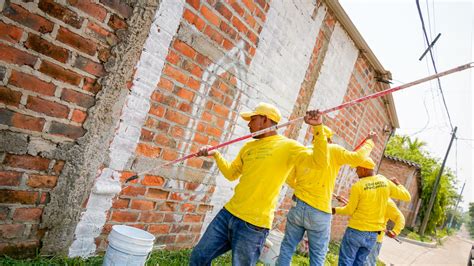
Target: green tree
<point>412,149</point>
<point>471,220</point>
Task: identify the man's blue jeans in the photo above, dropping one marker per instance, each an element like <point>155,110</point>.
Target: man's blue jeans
<point>355,246</point>
<point>374,253</point>
<point>227,232</point>
<point>316,223</point>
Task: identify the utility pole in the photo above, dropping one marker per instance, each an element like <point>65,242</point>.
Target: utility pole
<point>435,187</point>
<point>456,208</point>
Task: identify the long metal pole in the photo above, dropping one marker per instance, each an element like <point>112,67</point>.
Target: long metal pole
<point>339,107</point>
<point>456,208</point>
<point>435,186</point>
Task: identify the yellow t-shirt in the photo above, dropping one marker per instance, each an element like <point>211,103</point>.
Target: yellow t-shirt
<point>394,214</point>
<point>368,202</point>
<point>315,186</point>
<point>263,166</point>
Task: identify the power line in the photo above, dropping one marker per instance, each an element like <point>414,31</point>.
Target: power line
<point>433,61</point>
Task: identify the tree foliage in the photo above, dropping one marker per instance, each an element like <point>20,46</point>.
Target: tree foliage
<point>412,149</point>
<point>471,219</point>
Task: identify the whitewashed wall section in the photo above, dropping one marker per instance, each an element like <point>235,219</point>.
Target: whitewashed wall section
<point>275,73</point>
<point>337,68</point>
<point>134,112</point>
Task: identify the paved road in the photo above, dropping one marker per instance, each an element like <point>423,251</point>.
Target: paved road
<point>454,251</point>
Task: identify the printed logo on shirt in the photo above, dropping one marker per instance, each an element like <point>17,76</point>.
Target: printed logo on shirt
<point>259,153</point>
<point>375,185</point>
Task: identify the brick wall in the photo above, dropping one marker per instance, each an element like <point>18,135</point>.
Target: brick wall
<point>409,176</point>
<point>120,89</point>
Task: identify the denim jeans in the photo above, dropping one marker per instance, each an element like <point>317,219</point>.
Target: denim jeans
<point>355,246</point>
<point>374,253</point>
<point>227,232</point>
<point>316,223</point>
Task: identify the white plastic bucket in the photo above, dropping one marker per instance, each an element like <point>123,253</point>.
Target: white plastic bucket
<point>128,246</point>
<point>271,249</point>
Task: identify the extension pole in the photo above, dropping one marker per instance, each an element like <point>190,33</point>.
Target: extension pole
<point>435,186</point>
<point>339,107</point>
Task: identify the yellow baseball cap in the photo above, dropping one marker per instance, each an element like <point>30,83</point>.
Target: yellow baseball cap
<point>264,109</point>
<point>327,132</point>
<point>366,163</point>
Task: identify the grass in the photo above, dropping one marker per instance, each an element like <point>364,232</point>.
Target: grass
<point>162,257</point>
<point>410,233</point>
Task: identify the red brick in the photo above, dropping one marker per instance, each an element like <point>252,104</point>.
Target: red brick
<point>26,162</point>
<point>120,6</point>
<point>194,3</point>
<point>47,107</point>
<point>175,74</point>
<point>90,8</point>
<point>203,208</point>
<point>165,84</point>
<point>223,10</point>
<point>194,19</point>
<point>168,207</point>
<point>176,117</point>
<point>78,116</point>
<point>148,150</point>
<point>66,130</point>
<point>27,214</point>
<point>169,155</point>
<point>89,66</point>
<point>12,55</point>
<point>60,12</point>
<point>11,231</point>
<point>121,216</point>
<point>210,16</point>
<point>155,193</point>
<point>229,31</point>
<point>116,23</point>
<point>10,178</point>
<point>192,218</point>
<point>78,98</point>
<point>151,217</point>
<point>9,97</point>
<point>8,117</point>
<point>121,203</point>
<point>91,85</point>
<point>157,110</point>
<point>25,17</point>
<point>185,94</point>
<point>159,228</point>
<point>239,25</point>
<point>184,49</point>
<point>188,207</point>
<point>103,54</point>
<point>32,83</point>
<point>17,196</point>
<point>60,73</point>
<point>76,41</point>
<point>58,167</point>
<point>44,47</point>
<point>164,140</point>
<point>214,35</point>
<point>133,191</point>
<point>42,181</point>
<point>151,180</point>
<point>185,238</point>
<point>98,32</point>
<point>142,205</point>
<point>10,33</point>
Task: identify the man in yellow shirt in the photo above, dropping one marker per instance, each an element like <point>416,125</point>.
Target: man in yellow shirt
<point>396,216</point>
<point>313,190</point>
<point>262,167</point>
<point>367,206</point>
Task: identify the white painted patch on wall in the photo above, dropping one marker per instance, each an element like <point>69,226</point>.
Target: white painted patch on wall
<point>134,112</point>
<point>275,75</point>
<point>336,71</point>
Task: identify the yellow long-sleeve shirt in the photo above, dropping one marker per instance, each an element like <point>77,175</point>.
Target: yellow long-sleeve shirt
<point>368,202</point>
<point>315,186</point>
<point>263,166</point>
<point>396,216</point>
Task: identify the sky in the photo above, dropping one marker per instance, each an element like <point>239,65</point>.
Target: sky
<point>393,31</point>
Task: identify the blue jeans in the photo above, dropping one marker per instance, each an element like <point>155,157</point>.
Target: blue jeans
<point>316,223</point>
<point>374,253</point>
<point>227,232</point>
<point>355,246</point>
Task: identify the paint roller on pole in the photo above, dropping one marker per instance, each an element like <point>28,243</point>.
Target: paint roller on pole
<point>336,108</point>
